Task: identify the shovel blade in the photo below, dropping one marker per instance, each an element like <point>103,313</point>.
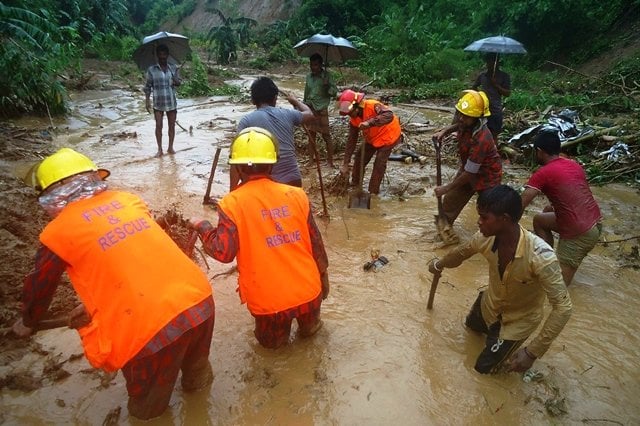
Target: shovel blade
<point>360,200</point>
<point>445,231</point>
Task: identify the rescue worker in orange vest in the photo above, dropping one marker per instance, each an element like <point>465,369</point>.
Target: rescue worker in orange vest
<point>147,309</point>
<point>269,227</point>
<point>381,130</point>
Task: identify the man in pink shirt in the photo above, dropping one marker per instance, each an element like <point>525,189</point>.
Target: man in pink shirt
<point>574,213</point>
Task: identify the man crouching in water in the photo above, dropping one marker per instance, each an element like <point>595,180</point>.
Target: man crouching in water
<point>523,268</point>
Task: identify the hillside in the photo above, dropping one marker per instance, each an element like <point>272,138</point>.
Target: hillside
<point>264,12</point>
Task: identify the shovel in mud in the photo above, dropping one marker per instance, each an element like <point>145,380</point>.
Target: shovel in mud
<point>445,231</point>
<point>360,199</point>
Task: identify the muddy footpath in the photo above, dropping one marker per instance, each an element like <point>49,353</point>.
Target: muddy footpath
<point>381,357</point>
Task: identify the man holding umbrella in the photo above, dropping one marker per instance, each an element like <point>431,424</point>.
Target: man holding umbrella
<point>496,84</point>
<point>162,79</point>
<point>319,89</point>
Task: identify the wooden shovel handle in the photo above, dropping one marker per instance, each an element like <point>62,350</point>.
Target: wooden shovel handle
<point>213,171</point>
<point>432,290</point>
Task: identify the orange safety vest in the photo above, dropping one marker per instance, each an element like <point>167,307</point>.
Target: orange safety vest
<point>276,267</point>
<point>378,136</point>
<point>130,276</point>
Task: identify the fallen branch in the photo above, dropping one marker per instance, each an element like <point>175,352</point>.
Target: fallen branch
<point>429,106</point>
<point>602,420</point>
<point>619,86</point>
<point>621,240</point>
<point>180,125</point>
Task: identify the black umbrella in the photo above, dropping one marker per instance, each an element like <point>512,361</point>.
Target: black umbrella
<point>332,49</point>
<point>496,44</point>
<point>178,45</point>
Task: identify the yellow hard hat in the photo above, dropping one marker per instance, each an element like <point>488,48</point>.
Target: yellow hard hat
<point>61,165</point>
<point>254,145</point>
<point>474,104</point>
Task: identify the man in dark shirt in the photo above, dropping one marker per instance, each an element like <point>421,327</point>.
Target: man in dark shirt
<point>496,84</point>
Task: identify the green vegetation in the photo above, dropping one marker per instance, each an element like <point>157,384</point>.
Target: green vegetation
<point>407,44</point>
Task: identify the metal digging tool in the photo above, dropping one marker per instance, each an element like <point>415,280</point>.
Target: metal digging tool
<point>360,199</point>
<point>207,199</point>
<point>445,231</point>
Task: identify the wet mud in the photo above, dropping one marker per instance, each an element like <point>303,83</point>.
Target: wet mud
<point>381,357</point>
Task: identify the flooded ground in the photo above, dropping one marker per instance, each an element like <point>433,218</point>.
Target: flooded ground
<point>381,357</point>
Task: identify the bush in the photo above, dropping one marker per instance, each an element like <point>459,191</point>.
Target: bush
<point>197,82</point>
<point>112,47</point>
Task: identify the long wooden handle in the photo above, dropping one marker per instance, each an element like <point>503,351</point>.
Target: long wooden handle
<point>362,164</point>
<point>438,146</point>
<point>432,290</point>
<point>213,171</point>
<point>317,157</point>
<point>48,324</point>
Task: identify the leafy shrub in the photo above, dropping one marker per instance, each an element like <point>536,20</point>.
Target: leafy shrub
<point>112,47</point>
<point>259,63</point>
<point>197,82</point>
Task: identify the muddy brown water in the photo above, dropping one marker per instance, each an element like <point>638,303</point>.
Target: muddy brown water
<point>381,357</point>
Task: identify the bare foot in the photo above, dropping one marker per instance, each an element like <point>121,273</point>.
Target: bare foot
<point>171,151</point>
<point>158,154</point>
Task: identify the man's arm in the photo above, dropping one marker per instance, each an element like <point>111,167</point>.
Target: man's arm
<point>38,289</point>
<point>319,253</point>
<point>504,87</point>
<point>528,195</point>
<point>383,117</point>
<point>462,178</point>
<point>175,76</point>
<point>352,140</point>
<point>332,89</point>
<point>307,114</point>
<point>148,87</point>
<point>221,243</point>
<point>550,277</point>
<point>455,257</point>
<point>442,133</point>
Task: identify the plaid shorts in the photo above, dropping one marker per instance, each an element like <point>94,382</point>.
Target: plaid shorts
<point>151,379</point>
<point>272,330</point>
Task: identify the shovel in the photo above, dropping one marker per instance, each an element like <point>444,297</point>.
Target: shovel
<point>442,223</point>
<point>360,199</point>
